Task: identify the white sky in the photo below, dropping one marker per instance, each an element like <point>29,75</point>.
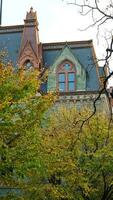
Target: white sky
<point>57,21</point>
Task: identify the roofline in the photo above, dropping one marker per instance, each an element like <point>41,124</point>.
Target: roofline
<point>11,29</point>
<point>72,44</point>
<point>68,42</point>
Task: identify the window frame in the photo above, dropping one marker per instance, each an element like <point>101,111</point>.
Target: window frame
<point>62,81</point>
<point>28,61</point>
<point>61,70</point>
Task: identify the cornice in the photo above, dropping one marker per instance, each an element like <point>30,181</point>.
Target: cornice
<point>72,44</point>
<point>79,93</point>
<point>11,29</point>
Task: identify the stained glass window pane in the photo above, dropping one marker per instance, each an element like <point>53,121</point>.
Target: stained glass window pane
<point>71,86</point>
<point>62,87</point>
<point>28,64</point>
<point>67,66</point>
<point>61,77</point>
<point>71,77</point>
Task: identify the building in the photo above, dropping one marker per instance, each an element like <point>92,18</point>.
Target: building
<point>72,67</point>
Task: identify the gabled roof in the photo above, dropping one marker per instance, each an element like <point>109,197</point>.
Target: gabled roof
<point>52,50</point>
<point>83,51</point>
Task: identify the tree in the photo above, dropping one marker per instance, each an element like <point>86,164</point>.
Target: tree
<point>83,170</point>
<point>21,112</point>
<point>57,169</point>
<point>51,158</point>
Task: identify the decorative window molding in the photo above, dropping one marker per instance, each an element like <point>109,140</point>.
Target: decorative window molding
<point>66,77</point>
<point>27,53</point>
<point>66,55</point>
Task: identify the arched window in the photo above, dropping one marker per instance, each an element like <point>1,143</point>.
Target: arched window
<point>28,64</point>
<point>66,78</point>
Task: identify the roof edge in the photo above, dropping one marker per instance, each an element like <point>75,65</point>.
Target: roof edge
<point>72,44</point>
<point>10,29</point>
<point>69,42</point>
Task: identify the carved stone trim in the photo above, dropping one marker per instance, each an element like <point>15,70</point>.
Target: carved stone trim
<point>28,54</point>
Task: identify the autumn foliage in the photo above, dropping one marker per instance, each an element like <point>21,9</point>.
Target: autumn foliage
<point>44,153</point>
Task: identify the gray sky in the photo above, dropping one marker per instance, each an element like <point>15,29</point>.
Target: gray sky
<point>57,21</point>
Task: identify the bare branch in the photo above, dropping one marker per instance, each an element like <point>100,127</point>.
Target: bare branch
<point>109,53</point>
<point>93,8</point>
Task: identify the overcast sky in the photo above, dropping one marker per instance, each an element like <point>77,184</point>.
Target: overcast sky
<point>57,21</point>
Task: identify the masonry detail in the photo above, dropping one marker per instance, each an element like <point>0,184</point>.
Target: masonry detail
<point>71,66</point>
